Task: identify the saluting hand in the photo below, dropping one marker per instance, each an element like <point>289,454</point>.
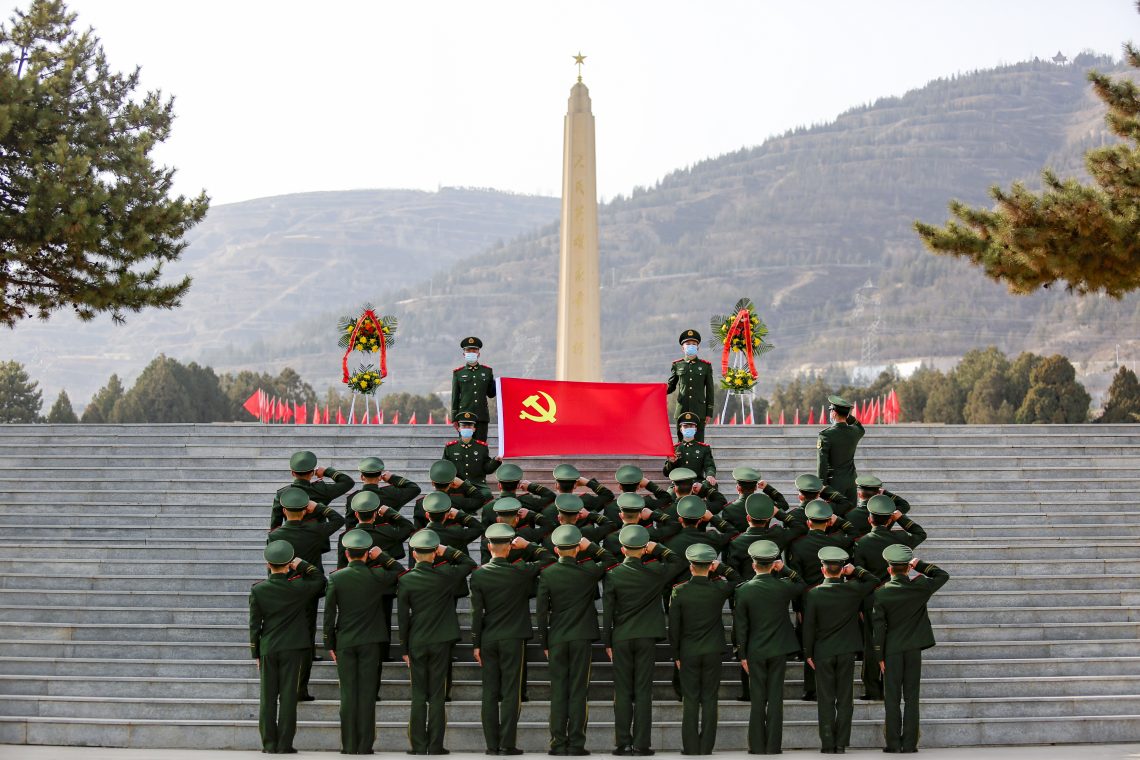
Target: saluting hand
<point>374,552</point>
<point>478,658</point>
<point>711,481</point>
<point>811,662</point>
<point>777,566</point>
<point>524,485</point>
<point>610,653</point>
<point>644,482</point>
<point>518,542</point>
<point>333,655</point>
<point>319,472</point>
<point>882,667</point>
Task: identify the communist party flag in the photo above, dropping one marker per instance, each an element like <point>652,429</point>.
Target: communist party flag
<point>559,418</point>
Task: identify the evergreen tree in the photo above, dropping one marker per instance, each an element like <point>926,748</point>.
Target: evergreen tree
<point>86,215</point>
<point>988,401</point>
<point>914,392</point>
<point>1019,374</point>
<point>103,402</point>
<point>1054,394</point>
<point>168,391</point>
<point>61,411</point>
<point>978,363</point>
<point>287,384</point>
<point>20,397</point>
<point>1123,403</point>
<point>944,401</point>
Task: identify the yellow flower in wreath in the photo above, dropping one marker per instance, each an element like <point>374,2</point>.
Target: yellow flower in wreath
<point>363,383</point>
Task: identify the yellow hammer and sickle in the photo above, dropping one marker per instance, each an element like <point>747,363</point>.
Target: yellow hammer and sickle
<point>544,413</point>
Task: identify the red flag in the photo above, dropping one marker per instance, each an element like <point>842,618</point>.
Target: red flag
<point>376,419</point>
<point>550,417</point>
<point>811,416</point>
<point>767,417</point>
<point>253,404</point>
<point>823,415</point>
<point>781,416</point>
<point>395,418</point>
<point>316,416</point>
<point>748,420</point>
<point>286,411</point>
<point>733,420</point>
<point>797,420</point>
<point>352,416</point>
<point>325,416</point>
<point>301,413</point>
<point>365,418</point>
<point>380,418</point>
<point>447,418</point>
<point>339,416</point>
<point>855,410</point>
<point>430,421</point>
<point>412,419</point>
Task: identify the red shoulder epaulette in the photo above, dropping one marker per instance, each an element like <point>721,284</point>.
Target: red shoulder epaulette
<point>682,583</point>
<point>482,442</point>
<point>451,442</point>
<point>296,578</point>
<point>703,444</point>
<point>405,572</point>
<point>486,366</point>
<point>461,366</point>
<point>678,360</point>
<point>706,361</point>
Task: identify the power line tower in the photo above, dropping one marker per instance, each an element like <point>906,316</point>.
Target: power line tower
<point>868,305</point>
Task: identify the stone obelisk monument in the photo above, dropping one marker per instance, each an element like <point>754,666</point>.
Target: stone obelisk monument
<point>579,351</point>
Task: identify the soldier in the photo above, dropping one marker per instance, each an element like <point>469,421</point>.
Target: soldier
<point>748,482</point>
<point>690,453</point>
<point>810,488</point>
<point>509,511</point>
<point>568,479</point>
<point>685,483</point>
<point>452,527</point>
<point>901,631</point>
<point>837,445</point>
<point>472,384</point>
<point>464,495</point>
<point>632,510</point>
<point>765,637</point>
<point>393,490</point>
<point>831,641</point>
<point>870,486</point>
<point>429,628</point>
<point>354,631</point>
<point>570,510</point>
<point>631,479</point>
<point>500,628</point>
<point>567,627</point>
<point>472,459</point>
<point>309,539</point>
<point>868,554</point>
<point>692,378</point>
<point>534,497</point>
<point>303,468</point>
<point>633,622</point>
<point>280,640</point>
<point>696,638</point>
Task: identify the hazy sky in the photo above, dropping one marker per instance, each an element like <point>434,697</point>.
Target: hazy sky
<point>280,97</point>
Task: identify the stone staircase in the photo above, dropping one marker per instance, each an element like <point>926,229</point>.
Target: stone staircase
<point>127,552</point>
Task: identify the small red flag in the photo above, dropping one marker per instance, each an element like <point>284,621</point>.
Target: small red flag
<point>352,416</point>
<point>412,419</point>
<point>781,416</point>
<point>302,414</point>
<point>365,418</point>
<point>447,418</point>
<point>395,418</point>
<point>325,416</point>
<point>430,421</point>
<point>380,419</point>
<point>339,416</point>
<point>748,420</point>
<point>286,412</point>
<point>797,420</point>
<point>811,416</point>
<point>767,417</point>
<point>316,416</point>
<point>376,419</point>
<point>253,404</point>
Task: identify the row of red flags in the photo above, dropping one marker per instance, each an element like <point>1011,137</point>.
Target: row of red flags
<point>883,410</point>
<point>270,409</point>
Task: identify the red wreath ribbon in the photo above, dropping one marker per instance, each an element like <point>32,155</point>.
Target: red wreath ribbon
<point>741,324</point>
<point>352,342</point>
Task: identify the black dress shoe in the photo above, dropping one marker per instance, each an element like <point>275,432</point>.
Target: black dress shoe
<point>623,751</point>
<point>891,750</point>
<point>643,752</point>
<point>440,751</point>
<point>306,697</point>
<point>490,752</point>
<point>577,752</point>
<point>289,751</point>
<point>318,658</point>
<point>743,698</point>
<point>871,698</point>
<point>555,752</point>
<point>840,750</point>
<point>808,698</point>
<point>510,751</point>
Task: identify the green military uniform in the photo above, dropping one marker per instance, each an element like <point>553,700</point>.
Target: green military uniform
<point>281,642</point>
<point>457,533</point>
<point>429,629</point>
<point>868,554</point>
<point>394,493</point>
<point>869,484</point>
<point>500,629</point>
<point>901,631</point>
<point>696,639</point>
<point>692,378</point>
<point>567,626</point>
<point>836,445</point>
<point>472,384</point>
<point>633,621</point>
<point>760,508</point>
<point>567,475</point>
<point>355,628</point>
<point>831,640</point>
<point>467,497</point>
<point>595,526</point>
<point>765,637</point>
<point>472,459</point>
<point>318,490</point>
<point>535,498</point>
<point>692,455</point>
<point>629,478</point>
<point>748,479</point>
<point>683,479</point>
<point>660,526</point>
<point>532,527</point>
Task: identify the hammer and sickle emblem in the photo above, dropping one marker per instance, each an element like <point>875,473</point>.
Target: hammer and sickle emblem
<point>543,413</point>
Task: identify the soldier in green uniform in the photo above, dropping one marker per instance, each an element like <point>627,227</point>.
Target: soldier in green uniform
<point>303,468</point>
<point>571,510</point>
<point>836,445</point>
<point>464,495</point>
<point>692,378</point>
<point>567,627</point>
<point>632,510</point>
<point>901,631</point>
<point>690,453</point>
<point>568,479</point>
<point>309,539</point>
<point>454,529</point>
<point>765,637</point>
<point>748,482</point>
<point>631,479</point>
<point>534,497</point>
<point>354,630</point>
<point>280,640</point>
<point>391,489</point>
<point>831,640</point>
<point>868,554</point>
<point>810,488</point>
<point>696,639</point>
<point>870,486</point>
<point>472,384</point>
<point>500,629</point>
<point>685,484</point>
<point>429,629</point>
<point>633,622</point>
<point>472,459</point>
<point>510,511</point>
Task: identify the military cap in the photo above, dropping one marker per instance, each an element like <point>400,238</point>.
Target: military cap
<point>566,536</point>
<point>881,505</point>
<point>759,506</point>
<point>424,540</point>
<point>628,474</point>
<point>700,553</point>
<point>818,509</point>
<point>630,502</point>
<point>371,466</point>
<point>566,472</point>
<point>691,507</point>
<point>437,502</point>
<point>303,461</point>
<point>465,417</point>
<point>832,554</point>
<point>442,471</point>
<point>688,418</point>
<point>510,473</point>
<point>279,553</point>
<point>809,484</point>
<point>293,498</point>
<point>764,551</point>
<point>357,539</point>
<point>568,503</point>
<point>633,536</point>
<point>506,506</point>
<point>838,402</point>
<point>745,475</point>
<point>868,481</point>
<point>499,533</point>
<point>680,474</point>
<point>471,342</point>
<point>689,335</point>
<point>898,554</point>
<point>365,501</point>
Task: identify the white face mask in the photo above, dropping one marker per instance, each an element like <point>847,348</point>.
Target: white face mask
<point>688,433</point>
<point>470,358</point>
<point>690,349</point>
<point>466,433</point>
